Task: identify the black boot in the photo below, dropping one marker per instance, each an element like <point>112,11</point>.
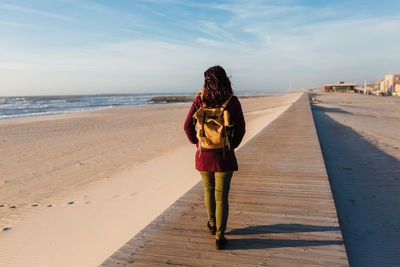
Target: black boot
<point>220,243</point>
<point>212,229</point>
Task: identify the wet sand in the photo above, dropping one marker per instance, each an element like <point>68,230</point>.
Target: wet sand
<point>360,140</point>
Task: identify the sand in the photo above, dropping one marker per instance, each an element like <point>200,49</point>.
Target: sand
<point>83,184</point>
<point>360,141</point>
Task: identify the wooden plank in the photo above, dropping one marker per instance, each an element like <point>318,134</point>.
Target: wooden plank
<point>281,209</point>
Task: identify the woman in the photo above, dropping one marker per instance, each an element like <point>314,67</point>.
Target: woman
<point>216,166</point>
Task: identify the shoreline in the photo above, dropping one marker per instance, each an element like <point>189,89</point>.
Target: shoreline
<point>42,106</point>
<point>106,205</point>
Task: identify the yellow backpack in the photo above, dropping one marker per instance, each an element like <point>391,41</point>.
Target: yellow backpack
<point>213,126</point>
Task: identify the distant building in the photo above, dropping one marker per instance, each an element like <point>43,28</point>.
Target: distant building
<point>341,87</point>
<point>366,88</point>
<point>390,84</point>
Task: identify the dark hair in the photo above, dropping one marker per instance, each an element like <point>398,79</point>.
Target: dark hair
<point>217,86</point>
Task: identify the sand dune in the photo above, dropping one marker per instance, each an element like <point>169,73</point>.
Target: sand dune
<point>84,183</point>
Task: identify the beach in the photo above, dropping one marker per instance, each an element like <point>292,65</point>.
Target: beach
<point>84,183</point>
<point>360,141</point>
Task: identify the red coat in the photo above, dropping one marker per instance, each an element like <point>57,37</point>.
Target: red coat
<point>213,161</point>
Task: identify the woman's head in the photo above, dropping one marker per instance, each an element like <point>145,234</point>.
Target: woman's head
<point>217,86</point>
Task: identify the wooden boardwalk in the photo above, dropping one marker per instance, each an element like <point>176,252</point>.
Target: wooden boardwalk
<point>281,209</point>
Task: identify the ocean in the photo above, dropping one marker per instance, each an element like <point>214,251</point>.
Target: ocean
<point>13,107</point>
<point>32,106</point>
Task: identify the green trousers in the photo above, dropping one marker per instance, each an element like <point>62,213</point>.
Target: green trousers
<point>216,191</point>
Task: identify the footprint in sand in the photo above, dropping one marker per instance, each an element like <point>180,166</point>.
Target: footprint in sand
<point>70,203</point>
<point>6,229</point>
<point>35,205</point>
<point>2,205</point>
<point>13,207</point>
<point>49,206</point>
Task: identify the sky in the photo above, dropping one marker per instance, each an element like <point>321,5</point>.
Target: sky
<point>51,47</point>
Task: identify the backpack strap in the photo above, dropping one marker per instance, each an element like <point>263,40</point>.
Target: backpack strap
<point>223,106</point>
<point>203,103</point>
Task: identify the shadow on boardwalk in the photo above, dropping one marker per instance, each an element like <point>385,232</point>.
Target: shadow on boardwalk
<point>281,228</point>
<point>365,182</point>
<point>261,243</point>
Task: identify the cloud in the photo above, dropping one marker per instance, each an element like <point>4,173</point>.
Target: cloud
<point>254,9</point>
<point>92,6</point>
<point>264,45</point>
<point>120,66</point>
<point>16,24</point>
<point>156,13</point>
<point>210,42</point>
<point>35,12</point>
<point>214,30</point>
